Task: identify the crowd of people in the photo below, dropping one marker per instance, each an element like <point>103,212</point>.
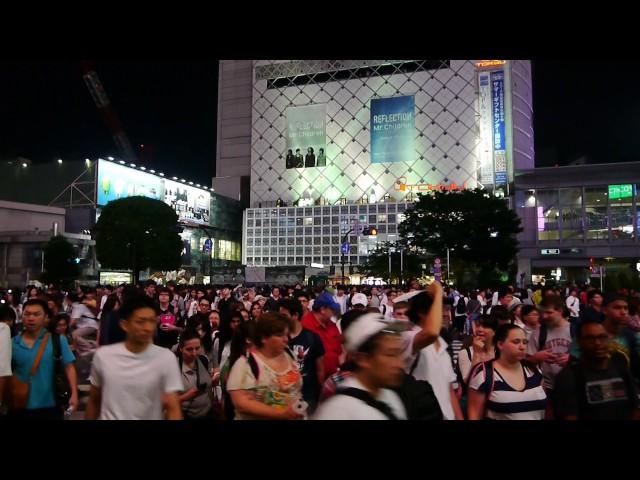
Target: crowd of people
<point>329,352</point>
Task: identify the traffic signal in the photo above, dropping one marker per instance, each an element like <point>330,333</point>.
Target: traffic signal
<point>370,231</point>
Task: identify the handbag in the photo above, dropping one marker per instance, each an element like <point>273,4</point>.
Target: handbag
<point>17,391</point>
<point>61,388</point>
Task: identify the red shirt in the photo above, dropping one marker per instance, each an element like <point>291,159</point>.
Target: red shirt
<point>331,340</point>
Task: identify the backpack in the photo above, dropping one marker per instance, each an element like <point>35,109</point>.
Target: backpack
<point>229,410</point>
<point>418,397</point>
<point>462,381</point>
<point>253,363</point>
<point>367,398</point>
<point>461,307</point>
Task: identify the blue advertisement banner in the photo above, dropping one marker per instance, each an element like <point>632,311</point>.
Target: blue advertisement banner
<point>393,129</point>
<point>499,141</point>
<point>497,92</point>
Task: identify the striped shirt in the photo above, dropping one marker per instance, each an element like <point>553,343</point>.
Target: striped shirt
<point>506,403</point>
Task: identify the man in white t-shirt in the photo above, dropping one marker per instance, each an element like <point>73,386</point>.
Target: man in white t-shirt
<point>425,352</point>
<point>135,379</point>
<point>573,304</point>
<point>341,299</point>
<point>376,349</point>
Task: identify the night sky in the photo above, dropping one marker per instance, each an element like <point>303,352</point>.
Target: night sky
<point>581,108</point>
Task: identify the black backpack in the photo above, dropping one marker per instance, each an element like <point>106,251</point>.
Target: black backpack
<point>418,397</point>
<point>461,307</point>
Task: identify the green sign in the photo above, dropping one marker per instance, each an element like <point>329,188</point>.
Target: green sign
<point>620,191</point>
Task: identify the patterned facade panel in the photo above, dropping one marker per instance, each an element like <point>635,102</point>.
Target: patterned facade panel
<point>446,131</point>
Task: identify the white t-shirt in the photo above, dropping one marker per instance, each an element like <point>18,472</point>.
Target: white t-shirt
<point>435,367</point>
<point>86,319</point>
<point>573,304</point>
<point>133,384</point>
<point>342,407</point>
<point>5,350</point>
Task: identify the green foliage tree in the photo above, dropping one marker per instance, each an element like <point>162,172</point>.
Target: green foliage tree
<point>479,229</point>
<point>377,264</point>
<point>137,233</point>
<point>60,262</point>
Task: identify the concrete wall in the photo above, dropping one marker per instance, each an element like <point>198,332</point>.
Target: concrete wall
<point>16,216</point>
<point>233,155</point>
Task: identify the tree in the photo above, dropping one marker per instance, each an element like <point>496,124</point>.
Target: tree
<point>377,264</point>
<point>137,233</point>
<point>60,261</point>
<point>478,228</point>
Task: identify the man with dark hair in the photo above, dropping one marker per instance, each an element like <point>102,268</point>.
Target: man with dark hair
<point>594,308</point>
<point>376,349</point>
<point>549,345</point>
<point>34,363</point>
<point>272,302</point>
<point>425,351</point>
<point>623,339</point>
<point>150,288</point>
<point>573,304</point>
<point>598,386</point>
<point>318,320</point>
<point>303,298</point>
<point>224,301</point>
<point>8,317</point>
<point>135,379</point>
<point>307,350</point>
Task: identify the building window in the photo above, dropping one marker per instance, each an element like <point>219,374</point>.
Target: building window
<point>382,219</point>
<point>572,224</point>
<point>548,214</point>
<point>621,213</point>
<point>308,220</point>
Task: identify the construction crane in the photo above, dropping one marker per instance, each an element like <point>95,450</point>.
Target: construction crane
<point>99,95</point>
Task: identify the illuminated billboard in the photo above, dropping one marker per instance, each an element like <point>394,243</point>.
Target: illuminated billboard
<point>393,129</point>
<point>117,181</point>
<point>306,136</point>
<point>190,203</point>
<point>620,191</point>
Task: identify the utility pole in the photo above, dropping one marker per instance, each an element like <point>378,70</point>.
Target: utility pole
<point>342,261</point>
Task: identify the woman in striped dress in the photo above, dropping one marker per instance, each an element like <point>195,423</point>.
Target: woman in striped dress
<point>505,388</point>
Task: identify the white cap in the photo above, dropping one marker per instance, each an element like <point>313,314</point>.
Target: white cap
<point>365,327</point>
<point>359,298</point>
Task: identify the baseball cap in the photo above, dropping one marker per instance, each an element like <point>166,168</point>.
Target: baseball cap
<point>366,326</point>
<point>359,298</point>
<point>325,300</point>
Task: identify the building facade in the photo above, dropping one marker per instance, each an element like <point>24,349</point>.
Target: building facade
<point>340,145</point>
<point>578,219</point>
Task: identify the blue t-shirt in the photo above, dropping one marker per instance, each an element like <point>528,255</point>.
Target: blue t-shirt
<point>41,394</point>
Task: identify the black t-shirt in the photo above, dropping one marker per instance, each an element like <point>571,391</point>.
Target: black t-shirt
<point>590,394</point>
<point>307,348</point>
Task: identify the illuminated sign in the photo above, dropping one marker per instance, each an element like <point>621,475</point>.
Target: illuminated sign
<point>620,191</point>
<point>117,181</point>
<point>490,63</point>
<point>550,251</point>
<point>191,204</point>
<point>402,186</point>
